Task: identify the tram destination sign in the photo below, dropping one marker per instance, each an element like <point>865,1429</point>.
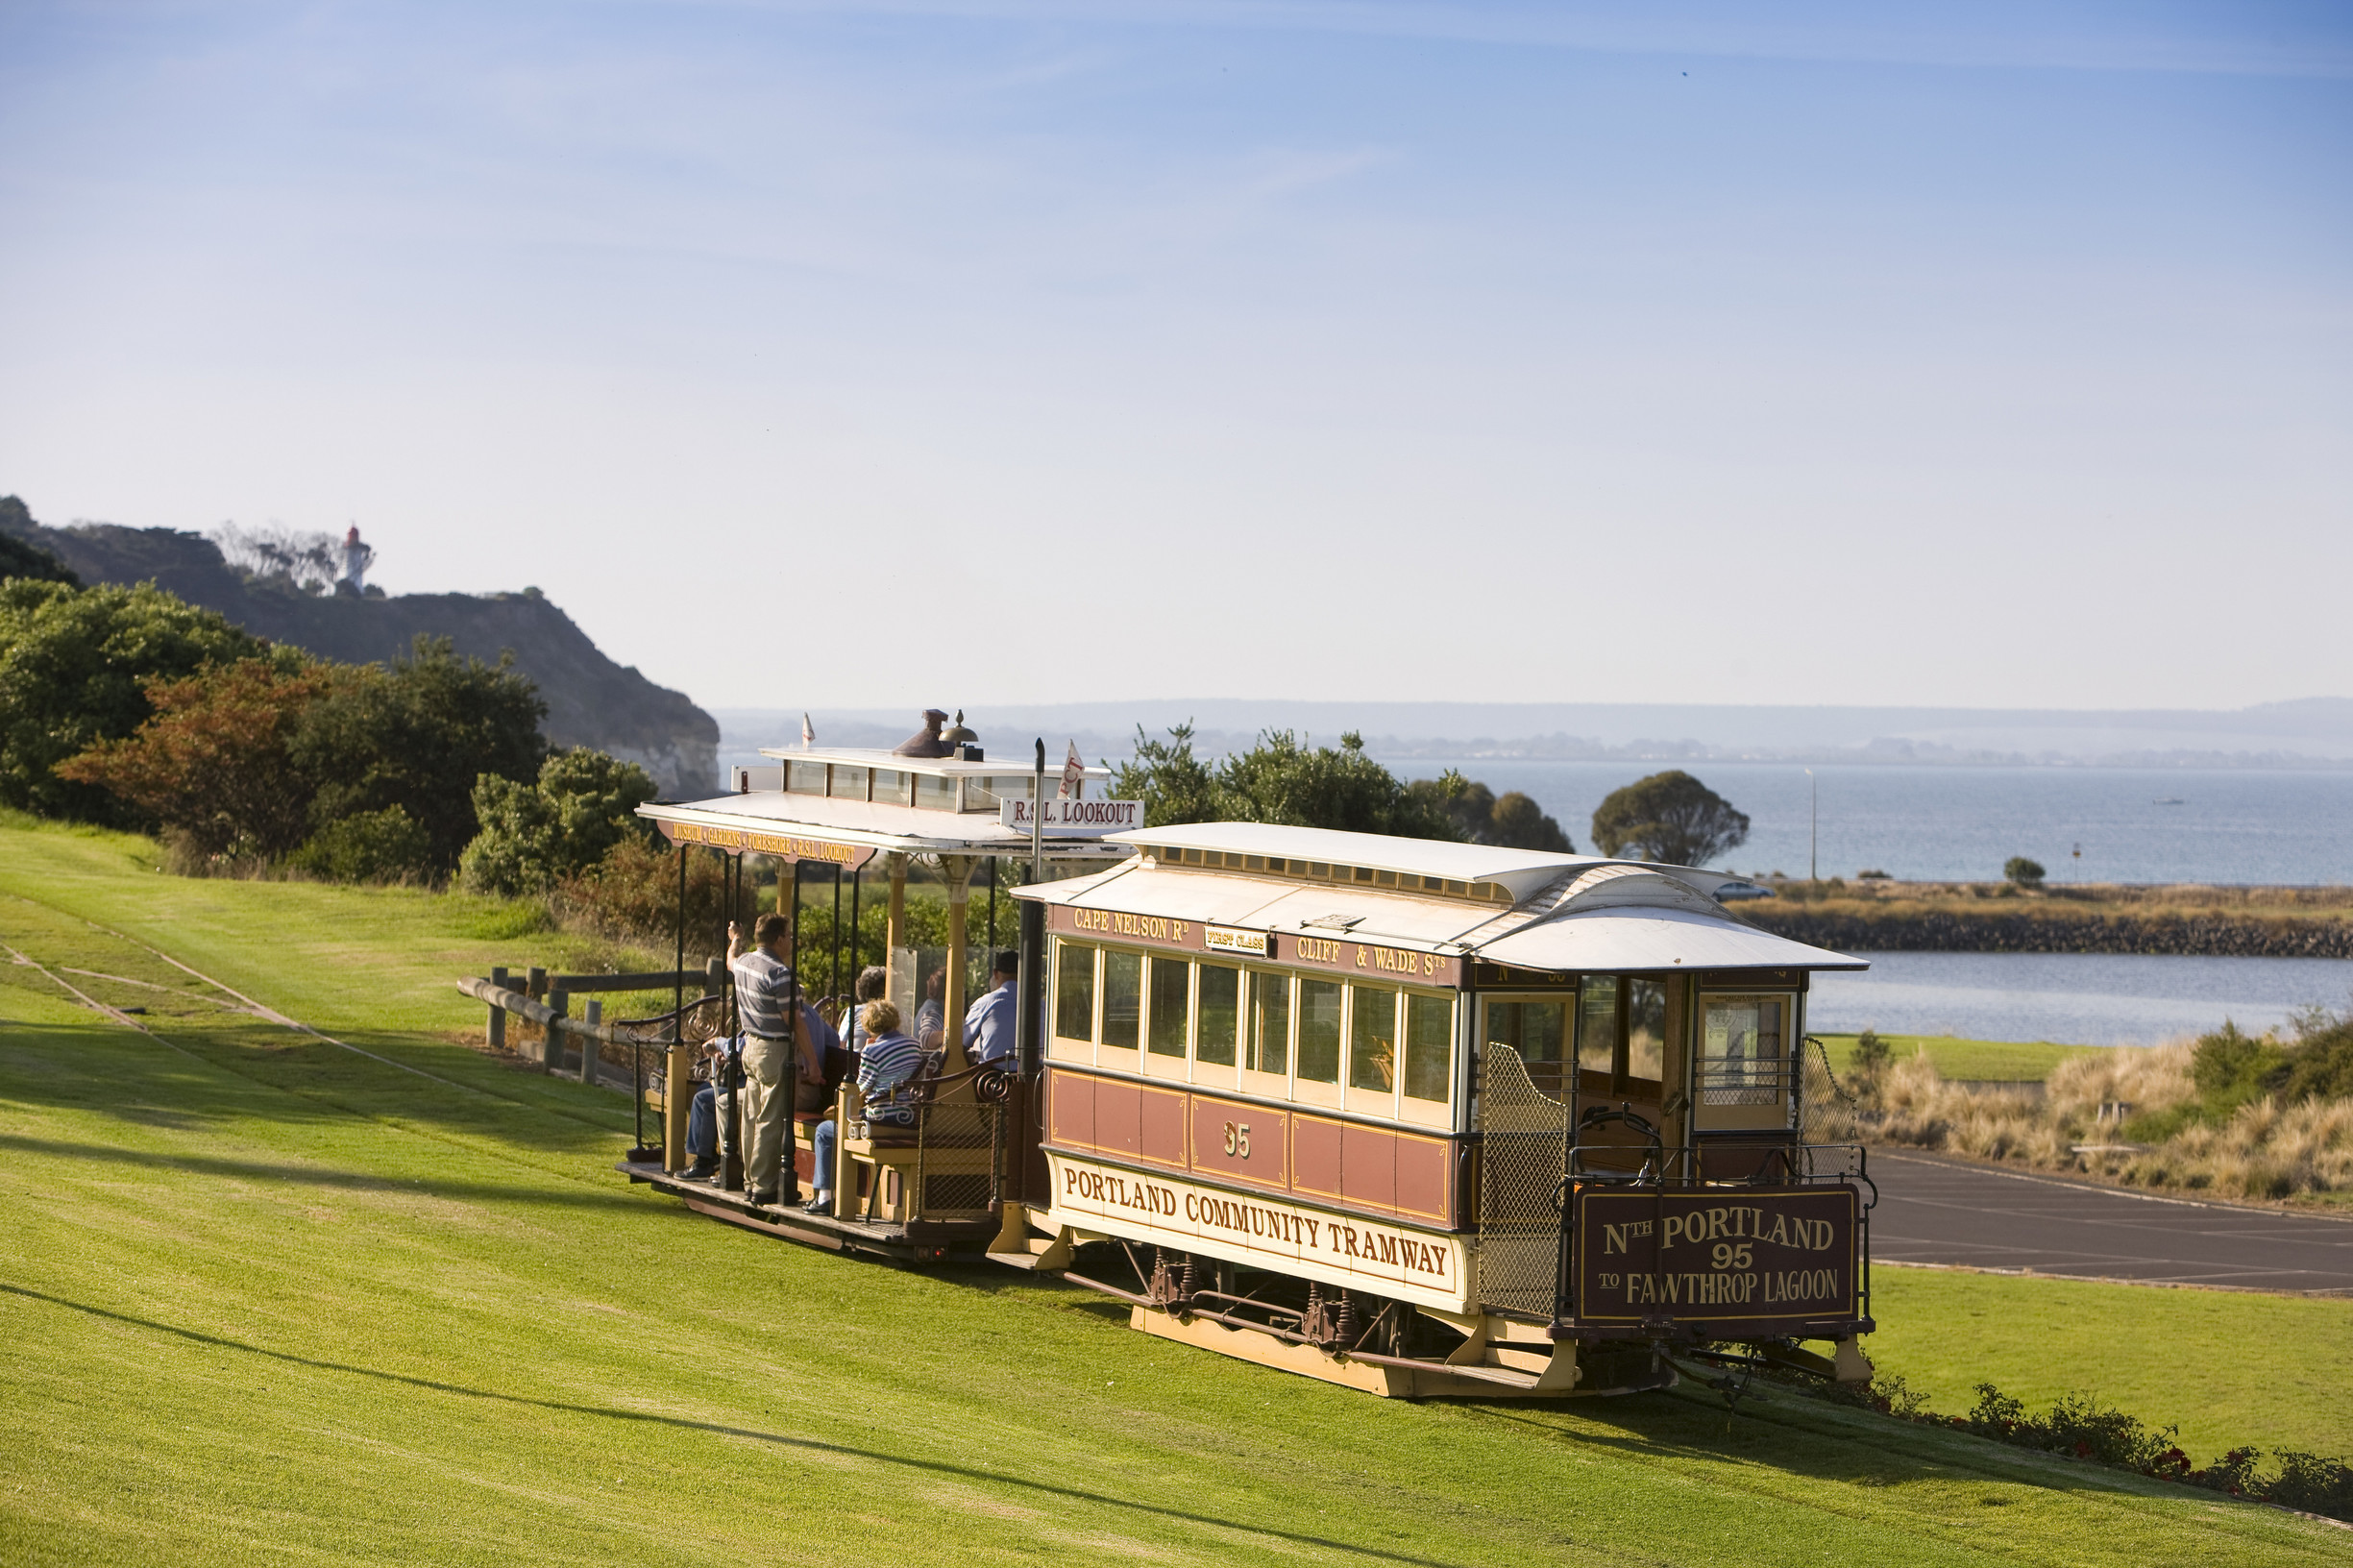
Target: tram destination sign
<point>1074,819</point>
<point>763,841</point>
<point>1712,1254</point>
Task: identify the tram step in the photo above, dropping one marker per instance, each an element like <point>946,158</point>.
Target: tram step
<point>1015,1259</point>
<point>1516,1360</point>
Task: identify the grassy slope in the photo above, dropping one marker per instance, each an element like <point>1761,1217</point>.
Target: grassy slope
<point>1956,1057</point>
<point>263,1299</point>
<point>2228,1367</point>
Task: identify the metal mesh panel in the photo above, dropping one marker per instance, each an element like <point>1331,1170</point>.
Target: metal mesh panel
<point>1523,1140</point>
<point>956,1158</point>
<point>1826,1113</point>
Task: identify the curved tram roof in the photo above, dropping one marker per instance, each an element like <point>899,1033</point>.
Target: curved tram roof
<point>1519,907</point>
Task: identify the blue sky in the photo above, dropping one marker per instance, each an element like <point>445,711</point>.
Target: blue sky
<point>837,356</point>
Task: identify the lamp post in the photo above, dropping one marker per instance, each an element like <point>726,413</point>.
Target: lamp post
<point>1813,832</point>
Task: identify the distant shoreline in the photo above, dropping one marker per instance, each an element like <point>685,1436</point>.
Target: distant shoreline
<point>2199,920</point>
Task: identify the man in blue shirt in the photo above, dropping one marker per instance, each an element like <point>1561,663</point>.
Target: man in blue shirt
<point>988,1028</point>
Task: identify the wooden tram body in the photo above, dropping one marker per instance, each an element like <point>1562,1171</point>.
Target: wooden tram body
<point>1416,1117</point>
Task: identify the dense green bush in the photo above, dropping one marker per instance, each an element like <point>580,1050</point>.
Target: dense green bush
<point>1279,780</point>
<point>534,835</point>
<point>2024,873</point>
<point>387,845</point>
<point>1512,821</point>
<point>75,666</point>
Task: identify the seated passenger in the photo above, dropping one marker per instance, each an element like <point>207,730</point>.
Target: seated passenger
<point>931,1017</point>
<point>886,1079</point>
<point>873,981</point>
<point>987,1027</point>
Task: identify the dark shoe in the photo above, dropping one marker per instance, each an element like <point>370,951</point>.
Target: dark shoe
<point>702,1170</point>
<point>763,1200</point>
<point>818,1206</point>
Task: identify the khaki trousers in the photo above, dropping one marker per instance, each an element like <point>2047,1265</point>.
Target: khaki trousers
<point>769,1076</point>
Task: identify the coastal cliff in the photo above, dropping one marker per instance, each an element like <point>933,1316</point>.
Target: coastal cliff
<point>591,700</point>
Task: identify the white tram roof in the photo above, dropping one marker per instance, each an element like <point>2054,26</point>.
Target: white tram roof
<point>1566,912</point>
<point>1006,766</point>
<point>874,824</point>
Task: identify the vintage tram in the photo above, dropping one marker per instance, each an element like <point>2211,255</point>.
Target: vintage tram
<point>1417,1117</point>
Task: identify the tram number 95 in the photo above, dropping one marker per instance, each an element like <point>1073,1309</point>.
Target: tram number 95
<point>1731,1255</point>
<point>1238,1139</point>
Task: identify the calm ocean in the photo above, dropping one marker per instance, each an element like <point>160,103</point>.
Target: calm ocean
<point>2130,824</point>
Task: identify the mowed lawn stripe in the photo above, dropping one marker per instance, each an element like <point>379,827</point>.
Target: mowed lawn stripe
<point>266,1310</point>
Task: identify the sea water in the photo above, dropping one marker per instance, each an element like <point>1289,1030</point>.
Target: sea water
<point>2074,998</point>
<point>1929,823</point>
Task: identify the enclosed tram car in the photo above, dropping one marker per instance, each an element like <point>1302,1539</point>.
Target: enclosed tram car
<point>1417,1117</point>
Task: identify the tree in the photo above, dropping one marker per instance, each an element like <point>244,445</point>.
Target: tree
<point>535,835</point>
<point>23,558</point>
<point>75,664</point>
<point>1512,822</point>
<point>1671,818</point>
<point>1174,785</point>
<point>210,763</point>
<point>2027,874</point>
<point>1278,780</point>
<point>419,736</point>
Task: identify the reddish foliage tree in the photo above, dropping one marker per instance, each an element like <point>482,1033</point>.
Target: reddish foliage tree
<point>212,762</point>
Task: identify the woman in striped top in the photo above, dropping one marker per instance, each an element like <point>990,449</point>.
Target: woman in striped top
<point>886,1066</point>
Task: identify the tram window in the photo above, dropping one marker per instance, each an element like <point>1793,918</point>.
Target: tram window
<point>934,793</point>
<point>1741,1046</point>
<point>1372,1047</point>
<point>848,783</point>
<point>1429,1047</point>
<point>1646,1028</point>
<point>1270,1022</point>
<point>804,777</point>
<point>1123,996</point>
<point>1320,1030</point>
<point>1074,992</point>
<point>1539,1031</point>
<point>1220,1014</point>
<point>1171,979</point>
<point>890,786</point>
<point>1597,1024</point>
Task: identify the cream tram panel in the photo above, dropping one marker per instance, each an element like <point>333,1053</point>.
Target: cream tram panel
<point>1424,1268</point>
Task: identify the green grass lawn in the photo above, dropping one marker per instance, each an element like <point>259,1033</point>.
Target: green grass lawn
<point>263,1299</point>
<point>1956,1057</point>
<point>2226,1366</point>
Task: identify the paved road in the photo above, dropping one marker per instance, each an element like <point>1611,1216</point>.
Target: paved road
<point>1934,1211</point>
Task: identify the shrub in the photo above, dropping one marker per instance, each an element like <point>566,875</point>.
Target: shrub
<point>1280,780</point>
<point>2022,871</point>
<point>211,763</point>
<point>387,845</point>
<point>533,835</point>
<point>75,669</point>
<point>419,736</point>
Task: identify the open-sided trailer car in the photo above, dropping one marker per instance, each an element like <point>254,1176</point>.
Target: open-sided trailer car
<point>1417,1117</point>
<point>1425,1117</point>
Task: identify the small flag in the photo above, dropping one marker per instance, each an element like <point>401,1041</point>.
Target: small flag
<point>808,733</point>
<point>1073,776</point>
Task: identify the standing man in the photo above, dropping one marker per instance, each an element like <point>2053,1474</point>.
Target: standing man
<point>988,1028</point>
<point>774,1065</point>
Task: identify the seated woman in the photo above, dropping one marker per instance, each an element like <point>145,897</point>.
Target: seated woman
<point>886,1079</point>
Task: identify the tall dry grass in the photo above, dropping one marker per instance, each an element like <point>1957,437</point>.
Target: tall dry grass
<point>2262,1150</point>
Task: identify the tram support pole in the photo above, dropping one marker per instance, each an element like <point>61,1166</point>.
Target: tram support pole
<point>958,870</point>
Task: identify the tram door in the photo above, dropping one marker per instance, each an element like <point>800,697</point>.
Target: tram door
<point>1627,1029</point>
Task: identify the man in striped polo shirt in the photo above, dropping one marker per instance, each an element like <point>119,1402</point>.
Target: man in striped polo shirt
<point>765,994</point>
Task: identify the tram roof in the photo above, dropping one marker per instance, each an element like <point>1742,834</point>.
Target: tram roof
<point>936,767</point>
<point>1585,915</point>
<point>870,824</point>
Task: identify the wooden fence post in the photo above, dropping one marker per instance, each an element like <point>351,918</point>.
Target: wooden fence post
<point>677,1096</point>
<point>588,1042</point>
<point>494,1035</point>
<point>560,1003</point>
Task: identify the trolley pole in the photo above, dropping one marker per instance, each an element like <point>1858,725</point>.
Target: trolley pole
<point>1029,990</point>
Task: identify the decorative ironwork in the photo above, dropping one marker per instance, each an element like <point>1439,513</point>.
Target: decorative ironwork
<point>1523,1144</point>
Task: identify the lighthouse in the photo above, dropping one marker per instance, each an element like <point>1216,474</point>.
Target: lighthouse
<point>355,559</point>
